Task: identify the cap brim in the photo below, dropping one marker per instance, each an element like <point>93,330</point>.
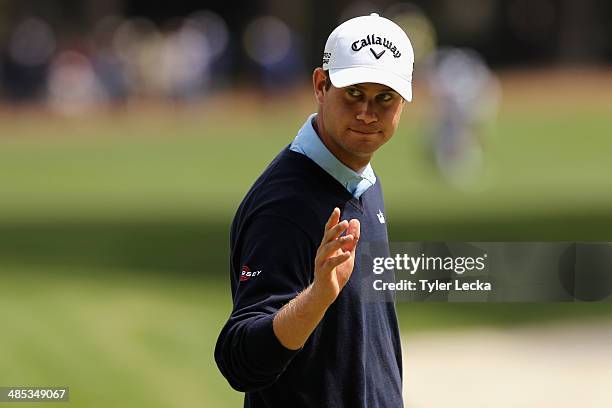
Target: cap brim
<point>342,77</point>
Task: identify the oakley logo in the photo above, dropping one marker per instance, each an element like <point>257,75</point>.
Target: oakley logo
<point>376,40</point>
<point>246,274</point>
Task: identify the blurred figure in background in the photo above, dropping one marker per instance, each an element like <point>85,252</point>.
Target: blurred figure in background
<point>274,48</point>
<point>73,86</point>
<point>466,96</point>
<point>107,64</point>
<point>117,60</point>
<point>25,64</point>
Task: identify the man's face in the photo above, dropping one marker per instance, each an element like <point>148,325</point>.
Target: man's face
<point>357,119</point>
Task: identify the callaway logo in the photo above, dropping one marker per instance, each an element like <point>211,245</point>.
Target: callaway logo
<point>246,273</point>
<point>375,40</point>
<point>378,55</point>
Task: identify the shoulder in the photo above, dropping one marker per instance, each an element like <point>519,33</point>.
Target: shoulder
<point>286,190</point>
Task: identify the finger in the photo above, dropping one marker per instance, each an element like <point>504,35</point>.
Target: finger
<point>326,249</point>
<point>334,261</point>
<point>334,232</point>
<point>334,245</point>
<point>333,218</point>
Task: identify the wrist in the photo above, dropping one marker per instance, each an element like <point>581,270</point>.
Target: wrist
<point>322,294</point>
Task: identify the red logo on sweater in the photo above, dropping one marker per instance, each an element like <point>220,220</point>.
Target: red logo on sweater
<point>246,273</point>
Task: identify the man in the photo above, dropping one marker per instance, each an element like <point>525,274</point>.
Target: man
<point>300,333</point>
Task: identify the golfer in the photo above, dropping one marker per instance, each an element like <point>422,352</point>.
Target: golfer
<point>300,333</point>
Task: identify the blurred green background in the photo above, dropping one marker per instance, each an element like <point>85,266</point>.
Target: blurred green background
<point>130,131</point>
<point>114,231</point>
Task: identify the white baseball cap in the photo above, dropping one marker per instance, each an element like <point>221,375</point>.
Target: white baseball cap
<point>370,49</point>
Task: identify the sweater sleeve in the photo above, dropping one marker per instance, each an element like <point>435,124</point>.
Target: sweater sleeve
<point>272,263</point>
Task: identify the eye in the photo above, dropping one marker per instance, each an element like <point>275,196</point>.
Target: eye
<point>385,97</point>
<point>354,92</point>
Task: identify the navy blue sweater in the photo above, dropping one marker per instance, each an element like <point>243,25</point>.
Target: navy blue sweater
<point>353,357</point>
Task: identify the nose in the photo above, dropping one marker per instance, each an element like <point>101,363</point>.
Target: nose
<point>366,114</point>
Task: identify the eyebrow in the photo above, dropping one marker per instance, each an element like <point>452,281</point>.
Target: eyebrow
<point>384,89</point>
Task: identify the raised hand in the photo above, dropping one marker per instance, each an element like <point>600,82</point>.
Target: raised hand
<point>334,263</point>
<point>335,257</point>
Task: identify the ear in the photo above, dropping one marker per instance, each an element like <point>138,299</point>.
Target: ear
<point>318,84</point>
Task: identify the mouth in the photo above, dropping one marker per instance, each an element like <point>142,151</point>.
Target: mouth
<point>365,132</point>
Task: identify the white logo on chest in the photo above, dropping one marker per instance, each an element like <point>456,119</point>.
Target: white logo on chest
<point>381,216</point>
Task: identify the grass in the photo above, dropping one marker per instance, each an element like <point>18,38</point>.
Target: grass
<point>114,336</point>
<point>118,337</point>
<point>202,168</point>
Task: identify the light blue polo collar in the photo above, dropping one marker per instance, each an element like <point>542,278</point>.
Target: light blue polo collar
<point>308,143</point>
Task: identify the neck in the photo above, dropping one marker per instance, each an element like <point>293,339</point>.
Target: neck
<point>355,163</point>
